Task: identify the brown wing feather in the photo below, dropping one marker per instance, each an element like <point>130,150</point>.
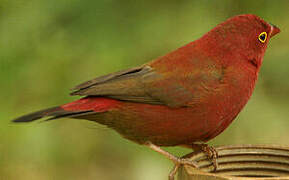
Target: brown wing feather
<point>123,85</point>
<point>105,78</point>
<point>149,84</point>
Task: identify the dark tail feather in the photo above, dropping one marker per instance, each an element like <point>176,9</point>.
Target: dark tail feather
<point>53,113</point>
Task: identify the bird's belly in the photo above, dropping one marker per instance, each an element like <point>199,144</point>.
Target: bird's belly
<point>167,126</point>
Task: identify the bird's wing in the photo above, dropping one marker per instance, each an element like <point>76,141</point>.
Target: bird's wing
<point>147,84</point>
<point>124,85</point>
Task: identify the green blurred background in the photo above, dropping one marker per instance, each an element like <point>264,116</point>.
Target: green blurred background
<point>48,46</point>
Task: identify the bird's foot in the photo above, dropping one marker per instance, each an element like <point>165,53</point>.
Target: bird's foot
<point>176,160</point>
<point>210,151</point>
<point>178,163</point>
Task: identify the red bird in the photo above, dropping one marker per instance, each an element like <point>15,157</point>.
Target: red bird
<point>189,95</point>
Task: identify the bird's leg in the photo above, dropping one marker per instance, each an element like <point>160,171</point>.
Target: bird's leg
<point>210,151</point>
<point>176,160</point>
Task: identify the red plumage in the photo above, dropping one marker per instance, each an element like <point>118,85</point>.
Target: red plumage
<point>191,94</point>
<point>94,104</point>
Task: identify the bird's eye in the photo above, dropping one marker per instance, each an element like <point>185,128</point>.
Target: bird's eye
<point>262,37</point>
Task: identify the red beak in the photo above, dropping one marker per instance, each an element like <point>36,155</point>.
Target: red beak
<point>275,30</point>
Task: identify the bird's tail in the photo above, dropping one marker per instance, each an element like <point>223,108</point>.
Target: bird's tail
<point>81,107</point>
<point>52,113</point>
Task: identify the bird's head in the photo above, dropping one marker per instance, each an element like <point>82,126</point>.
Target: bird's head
<point>243,36</point>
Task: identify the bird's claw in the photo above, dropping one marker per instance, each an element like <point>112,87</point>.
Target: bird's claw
<point>178,163</point>
<point>212,155</point>
<point>176,160</point>
<point>186,161</point>
<point>210,151</point>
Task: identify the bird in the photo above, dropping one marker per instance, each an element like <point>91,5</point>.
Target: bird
<point>184,98</point>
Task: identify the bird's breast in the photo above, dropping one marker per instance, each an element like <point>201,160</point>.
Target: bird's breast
<point>230,98</point>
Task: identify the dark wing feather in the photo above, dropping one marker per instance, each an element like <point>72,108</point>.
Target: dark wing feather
<point>175,87</point>
<point>105,78</point>
<point>123,85</point>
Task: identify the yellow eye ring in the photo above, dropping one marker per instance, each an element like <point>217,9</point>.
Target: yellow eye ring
<point>262,37</point>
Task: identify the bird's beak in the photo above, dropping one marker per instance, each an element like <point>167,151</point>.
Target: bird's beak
<point>274,30</point>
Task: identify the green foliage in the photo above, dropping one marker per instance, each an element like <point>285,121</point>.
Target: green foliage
<point>48,46</point>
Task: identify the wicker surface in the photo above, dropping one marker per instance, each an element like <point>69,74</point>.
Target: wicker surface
<point>238,162</point>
